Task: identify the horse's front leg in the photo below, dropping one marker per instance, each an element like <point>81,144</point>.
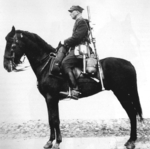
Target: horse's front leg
<point>49,144</point>
<point>54,122</point>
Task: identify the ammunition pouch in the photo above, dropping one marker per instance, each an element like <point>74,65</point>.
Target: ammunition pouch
<point>81,50</point>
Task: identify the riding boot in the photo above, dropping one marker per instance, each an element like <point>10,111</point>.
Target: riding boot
<point>74,93</point>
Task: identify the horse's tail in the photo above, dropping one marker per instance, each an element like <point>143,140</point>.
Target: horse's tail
<point>138,105</point>
<point>136,102</point>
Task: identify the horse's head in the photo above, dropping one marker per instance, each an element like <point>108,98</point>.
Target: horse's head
<point>13,50</point>
<point>19,43</point>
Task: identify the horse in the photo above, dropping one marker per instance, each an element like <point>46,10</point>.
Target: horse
<point>119,77</point>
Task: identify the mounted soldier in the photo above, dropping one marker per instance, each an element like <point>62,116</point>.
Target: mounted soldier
<point>71,46</point>
<point>120,78</point>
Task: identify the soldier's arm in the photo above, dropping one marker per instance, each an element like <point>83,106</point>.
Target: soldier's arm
<point>78,35</point>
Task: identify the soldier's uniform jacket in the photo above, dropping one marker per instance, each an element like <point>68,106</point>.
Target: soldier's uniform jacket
<point>80,33</point>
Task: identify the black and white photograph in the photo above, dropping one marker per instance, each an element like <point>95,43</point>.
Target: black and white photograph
<point>75,74</point>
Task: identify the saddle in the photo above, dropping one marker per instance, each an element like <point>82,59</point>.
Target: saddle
<point>77,71</point>
<point>89,69</point>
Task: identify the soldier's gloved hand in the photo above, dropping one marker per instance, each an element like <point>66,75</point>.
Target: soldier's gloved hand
<point>64,44</point>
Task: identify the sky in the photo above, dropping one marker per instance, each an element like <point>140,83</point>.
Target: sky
<point>121,29</point>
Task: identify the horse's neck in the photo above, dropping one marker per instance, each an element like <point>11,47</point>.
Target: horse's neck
<point>35,55</point>
<point>37,62</point>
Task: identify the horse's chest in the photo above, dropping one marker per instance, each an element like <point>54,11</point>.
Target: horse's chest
<point>50,85</point>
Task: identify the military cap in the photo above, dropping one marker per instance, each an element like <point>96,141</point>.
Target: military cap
<point>80,9</point>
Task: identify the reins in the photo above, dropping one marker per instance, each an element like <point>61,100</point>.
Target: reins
<point>49,57</point>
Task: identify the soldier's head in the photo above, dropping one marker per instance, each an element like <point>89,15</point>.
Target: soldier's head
<point>75,12</point>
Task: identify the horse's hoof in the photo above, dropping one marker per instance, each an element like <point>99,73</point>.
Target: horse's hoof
<point>130,145</point>
<point>48,145</point>
<point>56,146</point>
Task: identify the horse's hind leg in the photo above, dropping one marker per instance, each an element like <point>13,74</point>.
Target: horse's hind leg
<point>129,108</point>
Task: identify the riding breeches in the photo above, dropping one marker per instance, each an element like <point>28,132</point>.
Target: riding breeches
<point>68,63</point>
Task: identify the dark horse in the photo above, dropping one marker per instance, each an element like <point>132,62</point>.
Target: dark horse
<point>119,76</point>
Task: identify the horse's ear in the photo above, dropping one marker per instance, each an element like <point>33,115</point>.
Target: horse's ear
<point>11,33</point>
<point>13,29</point>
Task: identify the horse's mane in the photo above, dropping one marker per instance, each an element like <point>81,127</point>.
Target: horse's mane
<point>38,40</point>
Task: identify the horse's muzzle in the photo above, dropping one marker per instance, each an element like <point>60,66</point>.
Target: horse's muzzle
<point>9,66</point>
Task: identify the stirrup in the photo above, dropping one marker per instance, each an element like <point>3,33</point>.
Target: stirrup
<point>73,94</point>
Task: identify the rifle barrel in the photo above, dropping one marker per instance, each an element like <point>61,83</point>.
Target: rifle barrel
<point>94,44</point>
<point>88,10</point>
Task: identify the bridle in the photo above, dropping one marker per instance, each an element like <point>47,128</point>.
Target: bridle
<point>12,55</point>
<point>12,41</point>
